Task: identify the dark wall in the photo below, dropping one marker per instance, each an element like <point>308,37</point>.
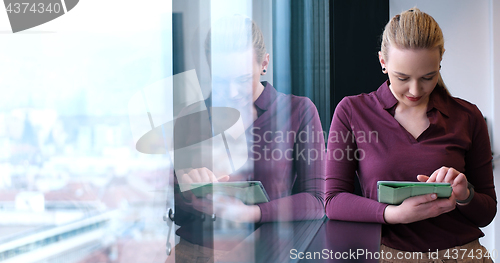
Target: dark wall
<point>178,44</point>
<point>355,30</point>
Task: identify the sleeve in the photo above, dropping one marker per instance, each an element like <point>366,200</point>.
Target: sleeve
<point>185,214</point>
<point>189,130</point>
<point>341,203</point>
<point>479,172</point>
<point>307,194</point>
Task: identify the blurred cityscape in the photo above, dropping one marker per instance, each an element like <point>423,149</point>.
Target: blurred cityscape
<point>74,189</point>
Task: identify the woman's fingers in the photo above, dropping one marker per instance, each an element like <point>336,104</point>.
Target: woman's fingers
<point>194,175</point>
<point>428,206</point>
<point>210,175</point>
<point>456,179</point>
<point>451,175</point>
<point>424,206</point>
<point>206,176</point>
<point>224,178</point>
<point>459,180</point>
<point>422,178</point>
<point>460,187</point>
<point>186,179</point>
<point>432,178</point>
<point>421,199</point>
<point>202,175</point>
<point>441,174</point>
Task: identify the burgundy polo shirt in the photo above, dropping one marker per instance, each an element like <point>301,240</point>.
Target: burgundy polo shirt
<point>365,140</point>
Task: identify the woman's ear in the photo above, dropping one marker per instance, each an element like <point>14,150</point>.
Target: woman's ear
<point>381,59</point>
<point>382,62</point>
<point>265,61</point>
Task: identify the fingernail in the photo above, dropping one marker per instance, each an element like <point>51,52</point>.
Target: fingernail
<point>434,196</point>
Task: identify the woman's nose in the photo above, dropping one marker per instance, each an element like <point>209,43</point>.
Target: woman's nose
<point>415,89</point>
<point>233,90</point>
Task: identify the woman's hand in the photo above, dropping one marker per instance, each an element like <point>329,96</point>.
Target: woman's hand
<point>418,208</point>
<point>222,206</point>
<point>457,180</point>
<point>201,175</point>
<point>229,208</point>
<point>427,206</point>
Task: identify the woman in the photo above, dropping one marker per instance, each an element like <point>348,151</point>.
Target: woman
<point>290,167</point>
<point>419,132</point>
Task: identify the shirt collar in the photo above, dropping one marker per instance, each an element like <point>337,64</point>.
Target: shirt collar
<point>385,96</point>
<point>437,99</point>
<point>267,97</point>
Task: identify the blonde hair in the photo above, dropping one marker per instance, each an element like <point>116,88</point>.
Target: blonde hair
<point>236,34</point>
<point>413,29</point>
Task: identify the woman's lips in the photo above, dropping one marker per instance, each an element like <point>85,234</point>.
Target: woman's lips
<point>413,98</point>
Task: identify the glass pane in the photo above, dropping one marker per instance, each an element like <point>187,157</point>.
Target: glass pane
<point>111,112</point>
<point>245,139</point>
<point>73,185</point>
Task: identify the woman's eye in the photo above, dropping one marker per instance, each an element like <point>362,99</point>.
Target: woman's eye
<point>428,78</point>
<point>402,79</point>
<point>244,80</point>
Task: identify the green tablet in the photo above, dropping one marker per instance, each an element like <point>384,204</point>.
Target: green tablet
<point>395,192</point>
<point>250,192</point>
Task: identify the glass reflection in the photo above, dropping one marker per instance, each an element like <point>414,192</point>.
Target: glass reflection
<point>277,142</point>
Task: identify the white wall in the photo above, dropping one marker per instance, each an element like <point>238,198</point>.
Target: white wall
<point>470,63</point>
<point>495,100</point>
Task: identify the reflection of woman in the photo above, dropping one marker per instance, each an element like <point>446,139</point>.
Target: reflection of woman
<point>421,130</point>
<point>289,168</point>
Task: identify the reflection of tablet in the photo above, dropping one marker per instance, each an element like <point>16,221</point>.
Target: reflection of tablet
<point>250,192</point>
<point>395,192</point>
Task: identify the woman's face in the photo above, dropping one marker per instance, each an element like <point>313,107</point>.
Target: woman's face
<point>413,74</point>
<point>235,79</point>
